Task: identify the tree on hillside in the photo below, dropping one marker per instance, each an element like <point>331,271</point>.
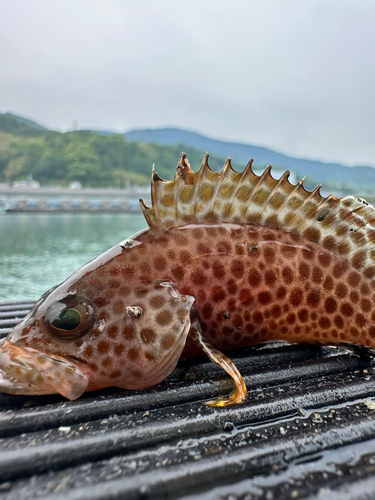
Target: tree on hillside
<point>92,159</point>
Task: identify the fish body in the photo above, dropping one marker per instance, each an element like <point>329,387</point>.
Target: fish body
<point>229,260</point>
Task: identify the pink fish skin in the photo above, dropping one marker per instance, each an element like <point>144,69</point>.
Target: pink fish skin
<point>166,293</point>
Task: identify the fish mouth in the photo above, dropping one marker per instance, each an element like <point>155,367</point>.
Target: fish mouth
<point>26,371</point>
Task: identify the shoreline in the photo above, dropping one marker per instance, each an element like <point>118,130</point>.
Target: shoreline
<point>72,211</point>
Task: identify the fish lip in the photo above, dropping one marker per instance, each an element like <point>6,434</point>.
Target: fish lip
<point>26,371</point>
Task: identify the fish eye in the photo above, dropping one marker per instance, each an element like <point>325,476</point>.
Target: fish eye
<point>69,318</point>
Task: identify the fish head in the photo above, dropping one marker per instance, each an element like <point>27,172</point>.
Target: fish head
<point>71,342</point>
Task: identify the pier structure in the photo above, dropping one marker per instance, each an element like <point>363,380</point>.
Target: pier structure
<point>50,199</point>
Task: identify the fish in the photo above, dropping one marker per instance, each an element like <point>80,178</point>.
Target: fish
<point>228,260</point>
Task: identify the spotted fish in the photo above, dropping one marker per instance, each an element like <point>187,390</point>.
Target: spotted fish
<point>229,260</point>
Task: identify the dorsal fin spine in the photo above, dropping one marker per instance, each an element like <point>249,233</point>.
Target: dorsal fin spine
<point>244,174</point>
<point>204,166</point>
<point>258,182</point>
<point>220,178</point>
<point>275,189</point>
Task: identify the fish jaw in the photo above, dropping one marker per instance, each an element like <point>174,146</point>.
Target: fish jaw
<point>26,371</point>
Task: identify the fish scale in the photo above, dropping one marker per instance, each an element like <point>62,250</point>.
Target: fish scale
<point>229,260</point>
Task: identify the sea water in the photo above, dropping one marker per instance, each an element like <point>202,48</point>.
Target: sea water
<point>38,251</point>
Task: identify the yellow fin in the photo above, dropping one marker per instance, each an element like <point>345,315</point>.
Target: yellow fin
<point>344,226</point>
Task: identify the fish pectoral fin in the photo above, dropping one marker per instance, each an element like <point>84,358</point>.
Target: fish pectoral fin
<point>240,391</point>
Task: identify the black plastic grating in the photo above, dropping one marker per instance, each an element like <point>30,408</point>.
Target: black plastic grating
<point>307,430</point>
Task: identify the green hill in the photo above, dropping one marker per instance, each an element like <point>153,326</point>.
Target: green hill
<point>91,158</point>
<point>18,125</point>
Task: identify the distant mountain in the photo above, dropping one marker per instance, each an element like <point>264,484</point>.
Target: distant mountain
<point>18,125</point>
<point>360,177</point>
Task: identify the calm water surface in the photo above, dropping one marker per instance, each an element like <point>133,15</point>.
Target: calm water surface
<point>38,251</point>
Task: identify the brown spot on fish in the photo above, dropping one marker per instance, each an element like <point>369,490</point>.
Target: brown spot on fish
<point>237,269</point>
<point>148,335</point>
<point>185,257</point>
<point>218,294</point>
<point>365,305</point>
<point>317,275</point>
<point>346,309</point>
<point>303,315</point>
<point>312,234</point>
<point>167,341</point>
<point>254,278</point>
<point>245,297</point>
<point>106,362</point>
<point>88,351</point>
<point>198,276</point>
<point>291,318</point>
<point>328,283</point>
<point>160,263</point>
<point>207,311</point>
<point>150,356</point>
<point>203,249</point>
<point>178,272</point>
<point>313,298</point>
<point>330,305</point>
<point>113,332</point>
<point>270,278</point>
<point>276,311</point>
<point>118,307</point>
<point>360,320</point>
<point>341,290</point>
<point>296,297</point>
<point>281,292</point>
<point>128,332</point>
<point>180,238</point>
<point>287,274</point>
<point>223,247</point>
<point>354,278</point>
<point>324,322</point>
<point>124,291</point>
<point>119,349</point>
<point>269,254</point>
<point>218,269</point>
<point>354,296</point>
<point>101,301</point>
<point>232,287</point>
<point>264,298</point>
<point>339,269</point>
<point>133,354</point>
<point>164,317</point>
<point>232,305</point>
<point>128,271</point>
<point>257,317</point>
<point>157,301</point>
<point>103,347</point>
<point>304,270</point>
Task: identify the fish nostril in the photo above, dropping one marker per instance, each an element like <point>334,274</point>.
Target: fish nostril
<point>134,311</point>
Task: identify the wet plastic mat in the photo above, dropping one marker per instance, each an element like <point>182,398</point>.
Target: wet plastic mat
<point>306,431</point>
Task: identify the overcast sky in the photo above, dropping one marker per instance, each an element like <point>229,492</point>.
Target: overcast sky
<point>295,76</point>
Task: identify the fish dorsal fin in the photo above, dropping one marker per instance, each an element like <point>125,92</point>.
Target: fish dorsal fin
<point>344,226</point>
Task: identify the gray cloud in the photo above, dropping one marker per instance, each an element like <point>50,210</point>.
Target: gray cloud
<point>295,76</point>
